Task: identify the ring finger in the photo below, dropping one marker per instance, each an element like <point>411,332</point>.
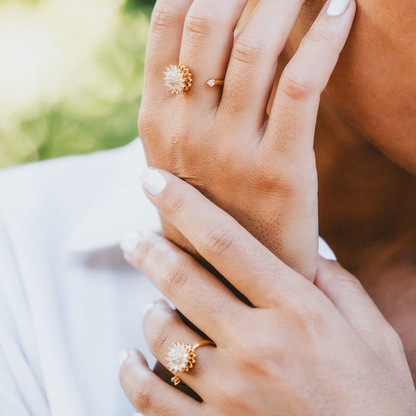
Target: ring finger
<point>163,328</point>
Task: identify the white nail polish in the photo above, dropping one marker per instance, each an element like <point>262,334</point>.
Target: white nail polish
<point>147,308</point>
<point>325,251</point>
<point>337,7</point>
<point>153,181</point>
<point>130,241</point>
<point>122,357</point>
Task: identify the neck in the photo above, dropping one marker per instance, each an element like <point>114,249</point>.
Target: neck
<point>366,202</point>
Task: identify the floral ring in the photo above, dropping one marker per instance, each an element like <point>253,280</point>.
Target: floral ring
<point>178,79</point>
<point>181,358</point>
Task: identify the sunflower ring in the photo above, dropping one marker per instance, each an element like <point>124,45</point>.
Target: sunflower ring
<point>178,79</point>
<point>181,358</point>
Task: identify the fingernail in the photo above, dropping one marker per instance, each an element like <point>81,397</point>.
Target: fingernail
<point>147,308</point>
<point>129,242</point>
<point>137,414</point>
<point>325,251</point>
<point>122,357</point>
<point>337,7</point>
<point>153,181</point>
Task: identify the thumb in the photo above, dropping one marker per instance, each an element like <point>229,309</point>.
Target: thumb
<point>350,298</point>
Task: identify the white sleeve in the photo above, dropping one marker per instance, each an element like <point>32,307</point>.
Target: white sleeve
<point>21,386</point>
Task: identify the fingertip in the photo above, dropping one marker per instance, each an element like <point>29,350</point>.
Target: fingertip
<point>131,361</point>
<point>325,251</point>
<point>161,303</point>
<point>129,242</point>
<point>154,181</point>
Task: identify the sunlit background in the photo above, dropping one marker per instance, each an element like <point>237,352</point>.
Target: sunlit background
<point>71,75</point>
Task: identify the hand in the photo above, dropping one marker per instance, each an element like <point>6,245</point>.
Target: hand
<point>259,169</point>
<point>301,350</point>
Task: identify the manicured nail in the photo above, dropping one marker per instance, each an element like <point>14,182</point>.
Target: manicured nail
<point>325,251</point>
<point>147,308</point>
<point>130,241</point>
<point>337,7</point>
<point>122,357</point>
<point>153,181</point>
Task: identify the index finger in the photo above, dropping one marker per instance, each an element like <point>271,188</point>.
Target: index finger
<point>249,266</point>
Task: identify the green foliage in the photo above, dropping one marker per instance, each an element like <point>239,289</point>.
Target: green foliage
<point>138,5</point>
<point>100,112</point>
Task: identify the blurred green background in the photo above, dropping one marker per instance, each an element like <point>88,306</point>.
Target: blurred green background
<point>71,75</point>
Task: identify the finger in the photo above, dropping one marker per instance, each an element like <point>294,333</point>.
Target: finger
<point>198,294</point>
<point>253,63</point>
<point>302,82</point>
<point>206,45</point>
<point>233,251</point>
<point>164,43</point>
<point>163,328</point>
<point>351,299</point>
<point>149,394</point>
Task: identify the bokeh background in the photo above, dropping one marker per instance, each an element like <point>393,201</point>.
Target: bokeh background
<point>71,75</point>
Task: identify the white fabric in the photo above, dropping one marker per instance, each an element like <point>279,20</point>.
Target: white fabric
<point>69,303</point>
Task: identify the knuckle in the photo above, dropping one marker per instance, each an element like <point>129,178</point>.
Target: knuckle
<point>164,17</point>
<point>250,353</point>
<point>143,395</point>
<point>160,339</point>
<point>176,205</point>
<point>200,25</point>
<point>220,239</point>
<point>247,52</point>
<point>146,123</point>
<point>392,339</point>
<point>144,256</point>
<point>296,86</point>
<point>306,318</point>
<point>321,39</point>
<point>176,276</point>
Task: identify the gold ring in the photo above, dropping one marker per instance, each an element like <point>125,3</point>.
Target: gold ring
<point>178,79</point>
<point>214,82</point>
<point>181,358</point>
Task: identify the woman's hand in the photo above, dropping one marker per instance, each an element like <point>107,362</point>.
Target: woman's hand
<point>301,350</point>
<point>259,169</point>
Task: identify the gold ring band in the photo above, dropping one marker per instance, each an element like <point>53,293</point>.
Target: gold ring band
<point>178,79</point>
<point>214,82</point>
<point>181,358</point>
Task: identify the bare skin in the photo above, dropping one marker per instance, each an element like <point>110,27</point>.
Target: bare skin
<point>325,349</point>
<point>366,208</point>
<point>365,150</point>
<point>366,162</point>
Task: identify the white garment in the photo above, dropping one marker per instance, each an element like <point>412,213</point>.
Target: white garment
<point>69,303</point>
